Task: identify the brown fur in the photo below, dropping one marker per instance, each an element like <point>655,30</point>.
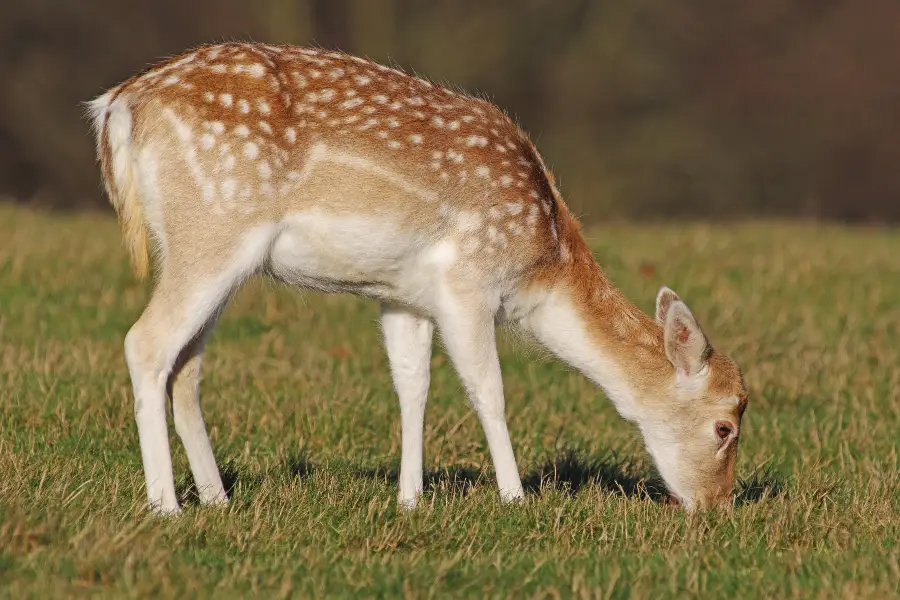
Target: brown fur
<point>447,122</point>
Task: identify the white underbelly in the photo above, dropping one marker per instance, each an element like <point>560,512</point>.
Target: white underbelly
<point>360,255</point>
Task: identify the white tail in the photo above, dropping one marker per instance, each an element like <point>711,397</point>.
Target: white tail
<point>329,172</point>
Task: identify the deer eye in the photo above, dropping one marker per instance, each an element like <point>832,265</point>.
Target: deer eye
<point>724,429</point>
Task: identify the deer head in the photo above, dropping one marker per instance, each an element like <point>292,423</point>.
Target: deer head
<point>693,436</point>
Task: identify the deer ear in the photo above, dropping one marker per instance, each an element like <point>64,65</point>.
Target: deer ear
<point>664,300</point>
<point>686,344</point>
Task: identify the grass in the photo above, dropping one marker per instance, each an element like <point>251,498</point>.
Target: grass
<point>303,419</point>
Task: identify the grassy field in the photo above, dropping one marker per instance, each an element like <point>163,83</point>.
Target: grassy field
<point>298,400</point>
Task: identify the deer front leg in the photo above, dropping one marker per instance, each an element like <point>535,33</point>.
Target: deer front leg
<point>469,335</point>
<point>407,338</point>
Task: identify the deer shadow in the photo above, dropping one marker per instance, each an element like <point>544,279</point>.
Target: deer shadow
<point>571,471</point>
<point>233,478</point>
<point>568,472</point>
<point>765,482</point>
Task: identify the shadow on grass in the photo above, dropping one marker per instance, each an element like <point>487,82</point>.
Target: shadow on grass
<point>233,477</point>
<point>568,472</point>
<point>455,480</point>
<point>762,484</point>
<point>571,471</point>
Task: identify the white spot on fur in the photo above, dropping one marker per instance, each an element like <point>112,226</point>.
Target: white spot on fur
<point>242,130</point>
<point>290,135</point>
<point>351,103</point>
<point>229,189</point>
<point>251,150</point>
<point>483,171</point>
<point>496,236</point>
<point>226,100</point>
<point>514,208</point>
<point>455,156</point>
<point>467,220</point>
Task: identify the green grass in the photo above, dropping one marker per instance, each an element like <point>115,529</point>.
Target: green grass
<point>299,404</point>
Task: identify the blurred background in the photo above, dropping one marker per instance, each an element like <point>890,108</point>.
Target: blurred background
<point>648,109</point>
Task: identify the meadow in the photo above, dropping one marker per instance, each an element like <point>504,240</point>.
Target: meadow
<point>305,425</point>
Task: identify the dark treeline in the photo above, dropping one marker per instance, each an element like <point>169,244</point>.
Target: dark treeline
<point>644,109</point>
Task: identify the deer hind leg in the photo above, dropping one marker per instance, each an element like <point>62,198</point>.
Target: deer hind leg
<point>468,331</point>
<point>193,288</point>
<point>185,392</point>
<point>407,338</point>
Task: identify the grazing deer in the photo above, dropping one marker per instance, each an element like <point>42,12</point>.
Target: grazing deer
<point>330,172</point>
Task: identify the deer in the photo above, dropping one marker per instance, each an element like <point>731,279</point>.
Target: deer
<point>329,172</point>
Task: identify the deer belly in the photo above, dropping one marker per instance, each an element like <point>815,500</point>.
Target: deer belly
<point>362,255</point>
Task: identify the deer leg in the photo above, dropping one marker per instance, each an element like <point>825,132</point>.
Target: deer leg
<point>192,290</point>
<point>407,338</point>
<point>185,392</point>
<point>470,339</point>
<point>178,310</point>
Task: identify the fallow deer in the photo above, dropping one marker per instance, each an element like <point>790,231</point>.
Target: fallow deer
<point>330,172</point>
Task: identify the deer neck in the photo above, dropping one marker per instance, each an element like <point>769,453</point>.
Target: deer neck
<point>588,323</point>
